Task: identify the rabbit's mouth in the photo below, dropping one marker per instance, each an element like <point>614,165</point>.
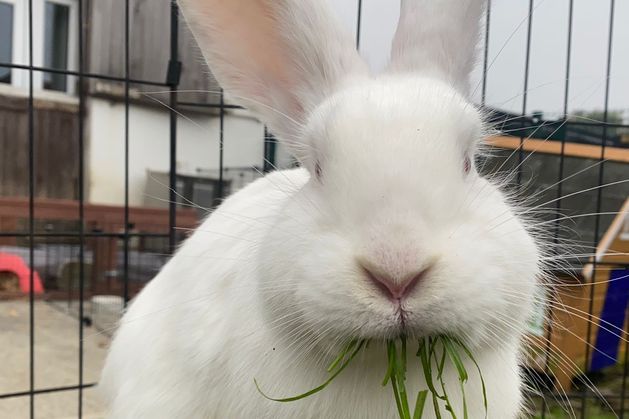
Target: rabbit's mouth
<point>403,316</point>
<point>400,322</point>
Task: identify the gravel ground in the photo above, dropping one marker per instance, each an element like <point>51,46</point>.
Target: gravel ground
<point>56,360</point>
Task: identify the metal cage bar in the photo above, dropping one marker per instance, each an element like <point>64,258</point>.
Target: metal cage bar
<point>599,197</point>
<point>31,210</point>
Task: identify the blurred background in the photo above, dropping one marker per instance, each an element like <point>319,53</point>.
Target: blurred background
<point>115,141</point>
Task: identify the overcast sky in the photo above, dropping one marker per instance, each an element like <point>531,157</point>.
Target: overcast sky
<point>507,48</point>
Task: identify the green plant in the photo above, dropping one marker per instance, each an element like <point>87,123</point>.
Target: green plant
<point>433,354</point>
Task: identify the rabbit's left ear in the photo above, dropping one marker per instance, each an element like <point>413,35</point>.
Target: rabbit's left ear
<point>438,38</point>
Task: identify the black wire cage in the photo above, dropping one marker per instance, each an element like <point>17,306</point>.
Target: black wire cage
<point>76,252</point>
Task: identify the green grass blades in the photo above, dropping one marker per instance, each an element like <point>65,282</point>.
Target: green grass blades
<point>419,404</point>
<point>480,374</point>
<point>392,372</point>
<point>433,353</point>
<point>342,355</point>
<point>426,353</point>
<point>339,364</point>
<point>396,374</point>
<point>449,348</point>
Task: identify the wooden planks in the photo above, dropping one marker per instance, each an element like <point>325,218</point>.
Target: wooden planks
<point>149,49</point>
<point>56,144</point>
<point>107,217</point>
<point>554,147</point>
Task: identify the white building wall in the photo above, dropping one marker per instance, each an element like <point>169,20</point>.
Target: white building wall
<point>149,147</point>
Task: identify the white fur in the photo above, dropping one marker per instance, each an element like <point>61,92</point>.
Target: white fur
<point>269,286</point>
<point>438,38</point>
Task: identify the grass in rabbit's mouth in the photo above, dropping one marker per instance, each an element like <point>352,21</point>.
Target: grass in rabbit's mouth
<point>433,354</point>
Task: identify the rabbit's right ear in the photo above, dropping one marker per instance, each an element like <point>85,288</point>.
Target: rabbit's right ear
<point>279,58</point>
<point>437,38</point>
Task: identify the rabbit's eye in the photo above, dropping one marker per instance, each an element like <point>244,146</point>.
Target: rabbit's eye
<point>467,164</point>
<point>318,170</point>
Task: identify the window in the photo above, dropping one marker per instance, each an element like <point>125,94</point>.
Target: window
<point>6,40</point>
<point>204,192</point>
<point>56,37</point>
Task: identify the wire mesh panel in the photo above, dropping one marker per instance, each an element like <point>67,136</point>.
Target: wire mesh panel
<point>115,141</point>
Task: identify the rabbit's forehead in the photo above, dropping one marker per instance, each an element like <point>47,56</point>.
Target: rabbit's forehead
<point>385,121</point>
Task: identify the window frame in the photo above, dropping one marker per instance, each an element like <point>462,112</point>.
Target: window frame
<point>17,40</point>
<point>72,42</point>
<point>20,52</point>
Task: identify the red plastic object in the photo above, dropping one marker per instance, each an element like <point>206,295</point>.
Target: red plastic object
<point>16,265</point>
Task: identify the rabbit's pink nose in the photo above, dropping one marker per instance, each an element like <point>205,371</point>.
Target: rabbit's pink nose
<point>395,289</point>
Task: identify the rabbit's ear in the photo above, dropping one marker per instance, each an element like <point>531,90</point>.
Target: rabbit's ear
<point>279,58</point>
<point>438,38</point>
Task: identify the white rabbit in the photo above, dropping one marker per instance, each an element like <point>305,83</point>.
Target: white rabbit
<point>386,230</point>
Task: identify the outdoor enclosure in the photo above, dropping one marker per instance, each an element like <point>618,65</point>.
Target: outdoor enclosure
<point>115,141</point>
